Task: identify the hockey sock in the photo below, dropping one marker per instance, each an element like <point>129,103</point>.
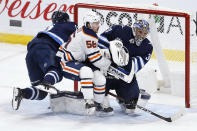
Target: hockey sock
<point>86,88</point>
<point>53,76</point>
<point>99,93</point>
<point>33,93</point>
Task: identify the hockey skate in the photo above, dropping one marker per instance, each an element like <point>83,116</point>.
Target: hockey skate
<point>143,98</point>
<point>47,88</point>
<point>89,103</point>
<point>103,111</point>
<point>17,97</point>
<point>129,107</point>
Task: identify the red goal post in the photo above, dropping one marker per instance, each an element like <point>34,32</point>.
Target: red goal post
<point>155,12</point>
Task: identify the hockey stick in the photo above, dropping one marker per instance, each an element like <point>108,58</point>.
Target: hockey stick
<point>168,119</point>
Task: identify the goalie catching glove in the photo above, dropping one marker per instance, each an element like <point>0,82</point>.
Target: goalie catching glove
<point>120,55</point>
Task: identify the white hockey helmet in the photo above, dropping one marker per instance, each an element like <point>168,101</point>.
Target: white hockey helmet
<point>91,17</point>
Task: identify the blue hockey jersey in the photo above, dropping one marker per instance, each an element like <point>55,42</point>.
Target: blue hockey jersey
<point>140,55</point>
<point>59,33</point>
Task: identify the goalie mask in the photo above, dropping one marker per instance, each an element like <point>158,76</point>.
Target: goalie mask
<point>119,53</point>
<point>92,21</point>
<point>141,30</point>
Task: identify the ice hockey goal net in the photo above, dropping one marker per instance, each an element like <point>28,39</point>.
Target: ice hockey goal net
<point>173,58</point>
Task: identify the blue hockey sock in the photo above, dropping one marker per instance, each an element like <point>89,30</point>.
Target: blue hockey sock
<point>33,93</point>
<point>52,77</point>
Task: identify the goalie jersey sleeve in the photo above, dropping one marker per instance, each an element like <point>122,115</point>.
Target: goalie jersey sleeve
<point>83,45</point>
<point>109,35</point>
<point>139,55</point>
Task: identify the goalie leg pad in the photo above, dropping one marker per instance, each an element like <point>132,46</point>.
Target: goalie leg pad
<point>70,102</point>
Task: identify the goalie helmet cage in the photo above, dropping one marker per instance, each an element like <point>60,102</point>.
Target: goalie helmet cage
<point>158,13</point>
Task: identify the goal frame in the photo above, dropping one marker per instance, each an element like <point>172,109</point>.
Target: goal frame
<point>156,12</point>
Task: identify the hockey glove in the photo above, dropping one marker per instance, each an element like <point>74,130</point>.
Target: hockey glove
<point>120,55</point>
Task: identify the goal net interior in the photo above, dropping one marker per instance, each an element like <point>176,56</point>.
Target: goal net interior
<point>173,65</point>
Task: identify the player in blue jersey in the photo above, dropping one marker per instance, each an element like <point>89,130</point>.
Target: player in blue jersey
<point>43,66</point>
<point>139,48</point>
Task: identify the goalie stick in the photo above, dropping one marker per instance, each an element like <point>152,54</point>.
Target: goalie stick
<point>168,119</point>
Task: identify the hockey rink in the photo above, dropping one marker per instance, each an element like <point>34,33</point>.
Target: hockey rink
<point>37,116</point>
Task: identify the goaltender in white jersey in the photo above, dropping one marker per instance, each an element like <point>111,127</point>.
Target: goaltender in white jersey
<point>81,60</point>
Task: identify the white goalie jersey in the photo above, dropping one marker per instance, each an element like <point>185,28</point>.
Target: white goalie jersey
<point>83,45</point>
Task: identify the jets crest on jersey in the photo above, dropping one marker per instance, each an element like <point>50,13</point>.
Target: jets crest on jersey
<point>139,55</point>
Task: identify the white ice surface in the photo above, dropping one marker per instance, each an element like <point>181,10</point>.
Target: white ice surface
<point>35,115</point>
